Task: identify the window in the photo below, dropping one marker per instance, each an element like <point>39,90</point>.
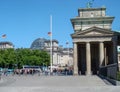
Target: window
<point>92,15</point>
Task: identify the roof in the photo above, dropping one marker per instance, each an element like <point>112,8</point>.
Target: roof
<point>94,31</point>
<point>97,33</point>
<point>6,42</point>
<point>91,9</point>
<point>52,41</point>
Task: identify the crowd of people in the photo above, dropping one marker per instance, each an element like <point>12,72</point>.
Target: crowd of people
<point>31,71</point>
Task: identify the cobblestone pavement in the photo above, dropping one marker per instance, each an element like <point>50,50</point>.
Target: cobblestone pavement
<point>56,84</point>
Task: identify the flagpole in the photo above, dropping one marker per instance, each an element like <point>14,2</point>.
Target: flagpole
<point>51,44</point>
<point>67,43</point>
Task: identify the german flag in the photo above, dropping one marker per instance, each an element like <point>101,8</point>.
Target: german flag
<point>49,33</point>
<point>4,36</point>
<point>67,42</point>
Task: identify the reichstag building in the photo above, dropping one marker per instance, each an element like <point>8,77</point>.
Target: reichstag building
<point>61,56</point>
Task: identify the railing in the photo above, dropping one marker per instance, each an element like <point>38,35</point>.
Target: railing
<point>109,71</point>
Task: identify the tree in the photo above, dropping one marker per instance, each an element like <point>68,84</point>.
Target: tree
<point>16,58</point>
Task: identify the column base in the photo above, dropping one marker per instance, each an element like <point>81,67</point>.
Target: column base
<point>89,73</point>
<point>75,74</point>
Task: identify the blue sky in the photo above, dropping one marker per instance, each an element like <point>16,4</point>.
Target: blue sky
<point>23,21</point>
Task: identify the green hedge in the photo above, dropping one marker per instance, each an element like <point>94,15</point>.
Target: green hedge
<point>118,76</point>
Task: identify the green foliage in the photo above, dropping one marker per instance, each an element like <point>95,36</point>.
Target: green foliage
<point>11,58</point>
<point>118,76</point>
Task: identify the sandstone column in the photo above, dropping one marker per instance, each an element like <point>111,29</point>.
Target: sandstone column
<point>101,48</point>
<point>75,59</point>
<point>88,58</point>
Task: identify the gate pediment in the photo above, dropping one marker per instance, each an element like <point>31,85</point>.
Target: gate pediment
<point>93,31</point>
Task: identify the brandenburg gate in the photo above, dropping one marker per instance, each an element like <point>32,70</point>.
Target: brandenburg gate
<point>94,41</point>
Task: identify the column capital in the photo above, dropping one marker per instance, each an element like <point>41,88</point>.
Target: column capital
<point>101,41</point>
<point>87,42</point>
<point>74,42</point>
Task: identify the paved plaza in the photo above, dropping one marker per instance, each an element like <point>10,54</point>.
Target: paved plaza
<point>37,83</point>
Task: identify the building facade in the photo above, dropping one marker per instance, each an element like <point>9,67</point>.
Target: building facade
<point>118,57</point>
<point>60,56</point>
<point>65,57</point>
<point>47,48</point>
<point>6,45</point>
<point>119,61</point>
<point>94,42</point>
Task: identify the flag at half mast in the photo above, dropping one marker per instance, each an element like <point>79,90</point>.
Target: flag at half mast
<point>4,36</point>
<point>49,33</point>
<point>67,42</point>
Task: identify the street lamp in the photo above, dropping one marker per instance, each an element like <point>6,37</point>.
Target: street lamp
<point>67,44</point>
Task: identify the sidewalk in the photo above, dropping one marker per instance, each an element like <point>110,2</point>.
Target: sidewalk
<point>57,84</point>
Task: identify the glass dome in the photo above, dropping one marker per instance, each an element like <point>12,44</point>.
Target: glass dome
<point>38,44</point>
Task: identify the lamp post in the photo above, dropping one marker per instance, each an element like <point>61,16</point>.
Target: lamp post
<point>67,44</point>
